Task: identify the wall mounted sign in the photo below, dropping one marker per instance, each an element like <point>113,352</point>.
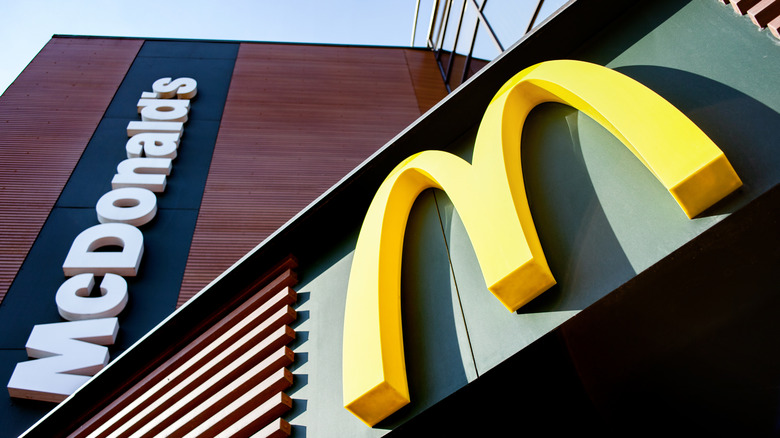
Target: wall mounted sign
<point>490,198</point>
<point>69,352</point>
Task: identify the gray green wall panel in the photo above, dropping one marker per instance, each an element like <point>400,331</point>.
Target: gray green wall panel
<point>715,67</point>
<point>438,354</point>
<point>601,215</point>
<point>688,346</point>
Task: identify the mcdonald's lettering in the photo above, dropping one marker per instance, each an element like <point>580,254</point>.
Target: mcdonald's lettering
<point>489,195</point>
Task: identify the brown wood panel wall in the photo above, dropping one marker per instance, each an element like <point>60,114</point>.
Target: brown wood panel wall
<point>297,119</point>
<point>426,78</point>
<point>47,117</point>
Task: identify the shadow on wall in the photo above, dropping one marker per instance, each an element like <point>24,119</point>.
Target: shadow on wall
<point>433,327</point>
<point>300,380</point>
<point>582,250</point>
<point>744,128</point>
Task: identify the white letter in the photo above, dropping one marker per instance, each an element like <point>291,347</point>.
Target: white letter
<point>74,302</point>
<point>128,205</point>
<point>68,361</point>
<point>135,128</point>
<point>185,88</point>
<point>147,173</point>
<point>155,145</point>
<point>82,257</point>
<point>163,110</point>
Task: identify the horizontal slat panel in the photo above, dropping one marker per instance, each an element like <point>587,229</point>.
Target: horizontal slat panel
<point>763,13</point>
<point>260,392</point>
<point>47,117</point>
<point>273,286</point>
<point>217,392</point>
<point>277,429</point>
<point>236,424</point>
<point>231,362</point>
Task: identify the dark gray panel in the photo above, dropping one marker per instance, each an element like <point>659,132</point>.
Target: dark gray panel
<point>92,177</point>
<point>213,76</point>
<point>191,166</point>
<point>189,49</point>
<point>17,415</point>
<point>153,292</point>
<point>30,300</point>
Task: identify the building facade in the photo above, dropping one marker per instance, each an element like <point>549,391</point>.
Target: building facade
<point>656,320</point>
<point>70,110</point>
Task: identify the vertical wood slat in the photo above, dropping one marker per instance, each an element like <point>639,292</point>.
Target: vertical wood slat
<point>297,119</point>
<point>268,285</point>
<point>47,117</point>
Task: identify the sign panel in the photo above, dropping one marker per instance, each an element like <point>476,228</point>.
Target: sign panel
<point>66,352</point>
<point>490,197</point>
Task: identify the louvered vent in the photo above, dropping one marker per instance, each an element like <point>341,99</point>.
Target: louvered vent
<point>227,382</point>
<point>764,13</point>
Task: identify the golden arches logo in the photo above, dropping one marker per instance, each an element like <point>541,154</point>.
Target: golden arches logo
<point>490,197</point>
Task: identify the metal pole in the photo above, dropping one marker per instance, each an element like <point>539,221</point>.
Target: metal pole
<point>431,23</point>
<point>533,18</point>
<point>484,21</point>
<point>414,25</point>
<point>455,45</point>
<point>443,26</point>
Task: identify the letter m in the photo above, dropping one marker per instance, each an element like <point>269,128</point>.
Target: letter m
<point>67,356</point>
<point>489,195</point>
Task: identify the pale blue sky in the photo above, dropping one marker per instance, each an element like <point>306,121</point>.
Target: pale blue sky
<point>26,25</point>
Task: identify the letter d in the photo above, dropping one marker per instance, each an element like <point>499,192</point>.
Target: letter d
<point>83,258</point>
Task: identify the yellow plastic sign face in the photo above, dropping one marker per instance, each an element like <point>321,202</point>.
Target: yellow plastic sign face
<point>490,198</point>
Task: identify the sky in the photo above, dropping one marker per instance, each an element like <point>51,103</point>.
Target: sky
<point>27,25</point>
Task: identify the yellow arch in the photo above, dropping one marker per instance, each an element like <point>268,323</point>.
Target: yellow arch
<point>490,197</point>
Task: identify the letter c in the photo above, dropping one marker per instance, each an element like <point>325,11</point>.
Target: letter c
<point>74,302</point>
